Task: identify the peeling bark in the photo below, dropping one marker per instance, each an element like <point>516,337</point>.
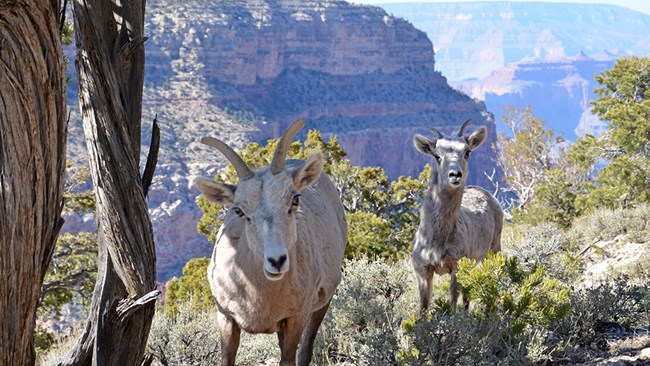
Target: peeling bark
<point>33,130</point>
<point>110,68</point>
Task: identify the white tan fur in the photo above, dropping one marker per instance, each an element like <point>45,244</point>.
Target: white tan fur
<point>278,256</point>
<point>455,221</point>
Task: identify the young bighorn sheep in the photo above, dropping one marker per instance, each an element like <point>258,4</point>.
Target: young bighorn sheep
<point>455,221</point>
<point>278,256</point>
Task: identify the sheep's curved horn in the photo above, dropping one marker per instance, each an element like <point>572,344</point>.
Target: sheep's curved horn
<point>243,171</point>
<point>436,133</point>
<point>283,146</point>
<point>463,127</point>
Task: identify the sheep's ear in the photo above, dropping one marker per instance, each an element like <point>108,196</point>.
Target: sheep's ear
<point>309,172</point>
<point>424,145</point>
<point>221,193</point>
<point>476,138</point>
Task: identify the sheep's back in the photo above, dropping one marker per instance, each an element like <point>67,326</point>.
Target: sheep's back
<point>482,219</point>
<point>325,227</point>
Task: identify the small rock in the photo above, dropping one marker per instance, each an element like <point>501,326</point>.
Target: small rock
<point>644,354</point>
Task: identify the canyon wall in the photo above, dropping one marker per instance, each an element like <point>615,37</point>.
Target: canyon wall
<point>243,70</point>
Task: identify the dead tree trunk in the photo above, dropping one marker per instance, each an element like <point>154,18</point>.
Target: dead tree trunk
<point>33,130</point>
<point>110,68</point>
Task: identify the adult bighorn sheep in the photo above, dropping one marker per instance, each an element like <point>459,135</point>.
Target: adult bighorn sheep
<point>455,221</point>
<point>278,255</point>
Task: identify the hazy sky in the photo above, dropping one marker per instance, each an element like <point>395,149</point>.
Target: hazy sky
<point>638,5</point>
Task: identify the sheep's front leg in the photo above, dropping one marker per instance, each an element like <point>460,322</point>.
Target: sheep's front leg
<point>289,337</point>
<point>307,343</point>
<point>425,279</point>
<point>229,337</point>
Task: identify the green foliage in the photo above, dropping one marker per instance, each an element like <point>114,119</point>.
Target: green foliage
<point>544,245</point>
<point>562,185</point>
<point>624,101</point>
<point>58,348</point>
<point>508,322</point>
<point>211,219</point>
<point>442,338</point>
<point>501,285</point>
<point>611,171</point>
<point>71,275</point>
<point>382,215</point>
<point>77,195</point>
<point>187,338</point>
<point>69,281</point>
<point>364,322</point>
<point>606,224</point>
<point>66,39</point>
<point>621,183</point>
<point>554,201</point>
<point>192,288</point>
<point>43,339</point>
<point>619,304</point>
<point>367,235</point>
<point>67,33</point>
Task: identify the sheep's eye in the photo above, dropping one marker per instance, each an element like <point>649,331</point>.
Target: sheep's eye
<point>437,157</point>
<point>238,211</point>
<point>295,201</point>
<point>467,154</point>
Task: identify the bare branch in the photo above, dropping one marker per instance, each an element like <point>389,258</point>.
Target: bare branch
<point>152,158</point>
<point>126,307</point>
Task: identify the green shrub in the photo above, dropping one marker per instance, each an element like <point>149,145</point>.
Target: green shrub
<point>191,288</point>
<point>191,337</point>
<point>441,338</point>
<point>513,308</point>
<point>188,338</point>
<point>363,325</point>
<point>500,285</point>
<point>606,224</point>
<point>542,245</point>
<point>368,236</point>
<point>616,305</point>
<point>58,349</point>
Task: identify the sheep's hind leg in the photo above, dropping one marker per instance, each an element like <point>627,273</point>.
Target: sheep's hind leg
<point>453,290</point>
<point>229,337</point>
<point>308,336</point>
<point>425,279</point>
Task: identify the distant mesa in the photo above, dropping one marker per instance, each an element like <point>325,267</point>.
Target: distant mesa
<point>485,39</point>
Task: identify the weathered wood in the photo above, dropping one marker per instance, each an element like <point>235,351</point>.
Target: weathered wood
<point>152,157</point>
<point>110,68</point>
<point>33,130</point>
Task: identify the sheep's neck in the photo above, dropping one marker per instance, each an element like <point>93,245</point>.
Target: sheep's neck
<point>444,209</point>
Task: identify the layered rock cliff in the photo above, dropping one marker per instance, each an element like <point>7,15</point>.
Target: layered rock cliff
<point>243,70</point>
<point>342,67</point>
<point>559,92</point>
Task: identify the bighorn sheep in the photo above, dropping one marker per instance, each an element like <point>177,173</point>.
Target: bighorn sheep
<point>278,255</point>
<point>455,221</point>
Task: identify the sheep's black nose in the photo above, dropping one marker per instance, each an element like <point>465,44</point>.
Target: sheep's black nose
<point>277,263</point>
<point>455,174</point>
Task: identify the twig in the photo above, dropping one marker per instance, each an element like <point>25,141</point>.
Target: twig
<point>152,157</point>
